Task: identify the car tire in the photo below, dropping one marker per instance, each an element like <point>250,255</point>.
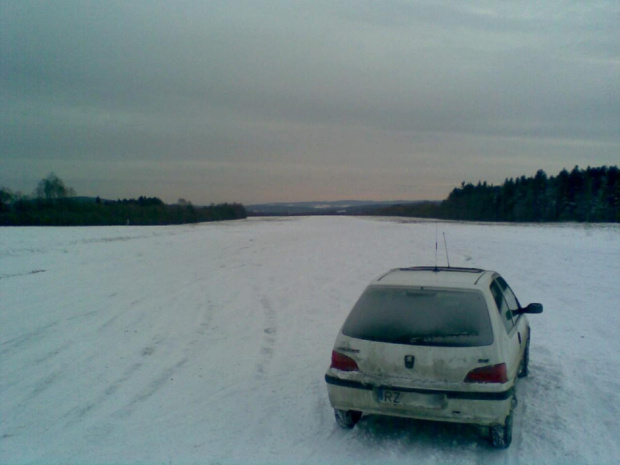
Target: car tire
<point>524,368</point>
<point>347,418</point>
<point>501,435</point>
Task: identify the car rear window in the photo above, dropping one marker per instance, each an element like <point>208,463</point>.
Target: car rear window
<point>429,317</point>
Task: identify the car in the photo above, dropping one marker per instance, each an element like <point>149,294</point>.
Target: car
<point>433,343</point>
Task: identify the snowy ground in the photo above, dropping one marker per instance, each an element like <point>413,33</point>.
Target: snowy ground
<point>208,343</point>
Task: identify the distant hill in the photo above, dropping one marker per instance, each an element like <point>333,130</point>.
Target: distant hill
<point>339,207</point>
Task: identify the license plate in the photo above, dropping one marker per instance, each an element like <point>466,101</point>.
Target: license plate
<point>411,399</point>
<point>387,396</point>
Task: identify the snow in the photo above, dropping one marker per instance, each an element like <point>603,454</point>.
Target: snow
<point>208,343</point>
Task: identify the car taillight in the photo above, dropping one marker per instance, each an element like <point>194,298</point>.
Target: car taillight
<point>488,374</point>
<point>343,363</point>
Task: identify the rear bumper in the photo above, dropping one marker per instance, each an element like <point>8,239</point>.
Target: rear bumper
<point>483,408</point>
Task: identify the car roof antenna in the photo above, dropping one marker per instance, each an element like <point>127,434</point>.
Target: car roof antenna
<point>446,245</point>
<point>436,268</point>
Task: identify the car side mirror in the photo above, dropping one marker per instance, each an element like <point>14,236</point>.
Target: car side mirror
<point>533,308</point>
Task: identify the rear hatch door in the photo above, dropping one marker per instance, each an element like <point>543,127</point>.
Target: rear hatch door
<point>419,337</point>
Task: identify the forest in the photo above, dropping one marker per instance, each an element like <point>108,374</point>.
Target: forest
<point>54,204</point>
<point>582,195</point>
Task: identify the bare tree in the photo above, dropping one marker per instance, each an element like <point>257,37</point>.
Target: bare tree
<point>53,188</point>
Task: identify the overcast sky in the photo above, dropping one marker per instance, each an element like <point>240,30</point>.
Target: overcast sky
<point>262,101</point>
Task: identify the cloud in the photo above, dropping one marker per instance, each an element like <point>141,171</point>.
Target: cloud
<point>296,84</point>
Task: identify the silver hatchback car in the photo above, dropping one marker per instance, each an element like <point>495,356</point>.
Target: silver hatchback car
<point>434,343</point>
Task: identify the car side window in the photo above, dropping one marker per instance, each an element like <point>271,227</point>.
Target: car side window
<point>502,305</point>
<point>511,299</point>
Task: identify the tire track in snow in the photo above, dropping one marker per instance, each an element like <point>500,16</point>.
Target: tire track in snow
<point>42,385</point>
<point>270,331</point>
<point>78,413</point>
<point>546,381</point>
<point>206,318</point>
<point>167,375</point>
<point>16,343</point>
<point>51,354</point>
<point>15,275</point>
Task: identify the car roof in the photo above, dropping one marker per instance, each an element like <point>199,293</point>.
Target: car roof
<point>432,276</point>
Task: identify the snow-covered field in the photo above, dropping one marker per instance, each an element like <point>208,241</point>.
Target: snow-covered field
<point>208,343</point>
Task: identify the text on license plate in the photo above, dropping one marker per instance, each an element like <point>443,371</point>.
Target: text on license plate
<point>411,399</point>
<point>390,397</point>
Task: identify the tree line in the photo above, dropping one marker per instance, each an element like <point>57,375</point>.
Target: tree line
<point>590,195</point>
<point>55,204</point>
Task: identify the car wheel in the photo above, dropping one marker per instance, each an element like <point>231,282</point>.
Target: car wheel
<point>501,435</point>
<point>525,362</point>
<point>347,418</point>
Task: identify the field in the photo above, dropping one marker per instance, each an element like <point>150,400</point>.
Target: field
<point>208,343</point>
